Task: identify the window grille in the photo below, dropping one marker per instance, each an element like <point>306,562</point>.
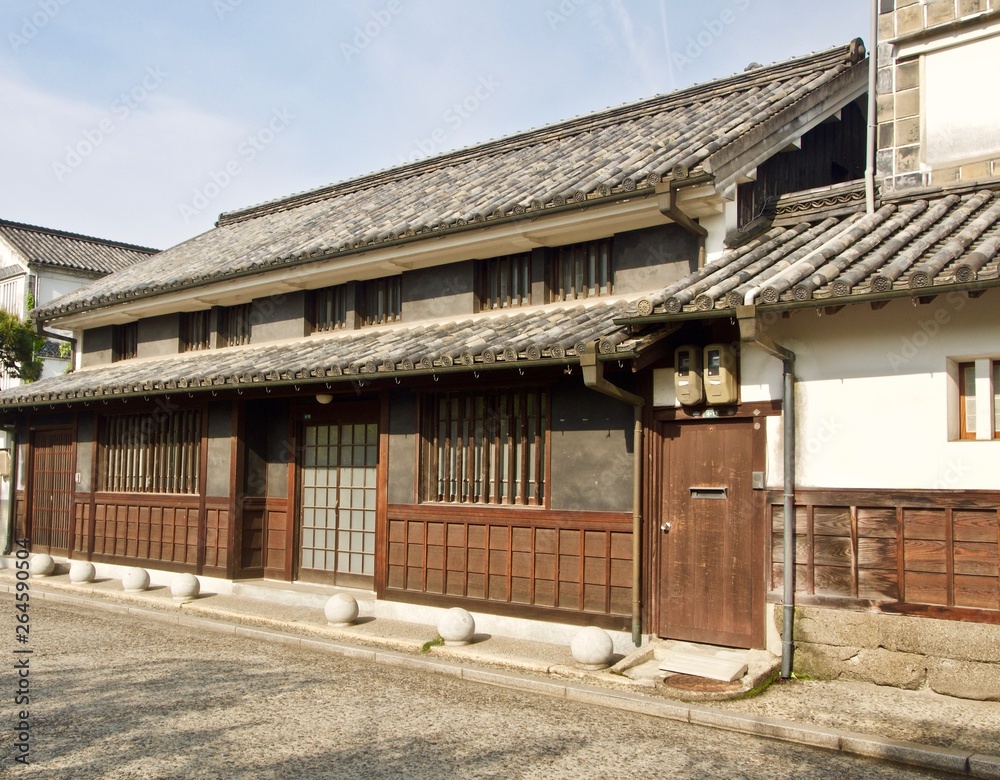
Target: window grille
<point>125,340</point>
<point>196,330</point>
<point>380,300</point>
<point>238,324</point>
<point>486,448</point>
<point>504,282</point>
<point>329,307</point>
<point>582,271</point>
<point>152,452</point>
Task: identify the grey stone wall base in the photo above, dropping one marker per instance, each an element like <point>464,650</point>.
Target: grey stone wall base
<point>950,657</point>
<point>965,680</point>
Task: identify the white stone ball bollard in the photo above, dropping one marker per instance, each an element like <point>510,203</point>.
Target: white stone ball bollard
<point>135,579</point>
<point>41,565</point>
<point>341,609</point>
<point>185,587</point>
<point>456,627</point>
<point>81,572</point>
<point>592,648</point>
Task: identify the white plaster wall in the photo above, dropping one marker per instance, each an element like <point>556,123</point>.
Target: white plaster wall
<point>53,284</point>
<point>874,394</point>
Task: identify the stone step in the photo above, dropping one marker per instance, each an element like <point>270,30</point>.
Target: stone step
<point>702,665</point>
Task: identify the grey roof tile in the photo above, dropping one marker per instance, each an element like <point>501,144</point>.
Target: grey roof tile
<point>462,345</point>
<point>60,249</point>
<point>916,244</point>
<point>620,150</point>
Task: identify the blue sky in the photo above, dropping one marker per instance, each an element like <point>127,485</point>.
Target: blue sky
<point>141,121</point>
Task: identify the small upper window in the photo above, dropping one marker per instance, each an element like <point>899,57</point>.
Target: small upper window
<point>125,340</point>
<point>196,330</point>
<point>380,300</point>
<point>967,400</point>
<point>504,282</point>
<point>236,323</point>
<point>582,271</point>
<point>329,308</point>
<point>996,399</point>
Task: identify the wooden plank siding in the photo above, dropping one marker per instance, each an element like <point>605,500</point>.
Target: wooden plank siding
<point>165,532</point>
<point>920,552</point>
<point>570,566</point>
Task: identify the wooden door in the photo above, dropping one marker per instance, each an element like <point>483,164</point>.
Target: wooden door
<point>337,498</point>
<point>51,490</point>
<point>706,554</point>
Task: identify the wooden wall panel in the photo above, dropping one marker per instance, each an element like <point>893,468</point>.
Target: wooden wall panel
<point>574,562</point>
<point>921,552</point>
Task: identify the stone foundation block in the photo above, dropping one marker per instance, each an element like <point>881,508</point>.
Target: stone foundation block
<point>963,679</point>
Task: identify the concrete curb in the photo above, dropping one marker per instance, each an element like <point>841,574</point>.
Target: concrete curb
<point>910,753</point>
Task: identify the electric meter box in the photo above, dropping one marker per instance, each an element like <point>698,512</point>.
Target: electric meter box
<point>719,362</point>
<point>687,375</point>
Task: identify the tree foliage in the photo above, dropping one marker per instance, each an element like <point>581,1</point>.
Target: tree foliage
<point>19,345</point>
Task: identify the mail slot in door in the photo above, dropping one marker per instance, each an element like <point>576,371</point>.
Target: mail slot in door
<point>708,492</point>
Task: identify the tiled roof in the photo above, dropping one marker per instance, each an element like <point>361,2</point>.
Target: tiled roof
<point>915,246</point>
<point>531,337</point>
<point>603,156</point>
<point>59,249</point>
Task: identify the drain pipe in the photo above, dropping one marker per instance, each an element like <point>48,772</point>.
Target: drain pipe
<point>593,377</point>
<point>872,108</point>
<point>752,333</point>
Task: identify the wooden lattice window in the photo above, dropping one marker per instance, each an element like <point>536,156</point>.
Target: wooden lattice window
<point>237,324</point>
<point>486,448</point>
<point>380,300</point>
<point>125,340</point>
<point>329,308</point>
<point>582,271</point>
<point>152,452</point>
<point>504,282</point>
<point>196,330</point>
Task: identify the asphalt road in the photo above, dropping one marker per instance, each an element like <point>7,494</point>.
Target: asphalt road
<point>114,696</point>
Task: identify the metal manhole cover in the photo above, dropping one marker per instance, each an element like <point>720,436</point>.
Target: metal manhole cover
<point>688,682</point>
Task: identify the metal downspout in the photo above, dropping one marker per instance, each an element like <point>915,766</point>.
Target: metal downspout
<point>872,108</point>
<point>593,377</point>
<point>752,333</point>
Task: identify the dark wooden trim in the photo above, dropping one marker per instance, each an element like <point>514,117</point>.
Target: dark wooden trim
<point>237,459</point>
<point>120,560</point>
<point>382,499</point>
<point>292,501</point>
<point>915,499</point>
<point>95,452</point>
<point>520,515</point>
<point>202,489</point>
<point>336,579</point>
<point>71,542</point>
<point>29,478</point>
<point>963,614</point>
<point>506,608</point>
<point>186,500</point>
<point>694,413</point>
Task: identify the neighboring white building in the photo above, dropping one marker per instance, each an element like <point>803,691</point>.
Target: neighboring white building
<point>45,264</point>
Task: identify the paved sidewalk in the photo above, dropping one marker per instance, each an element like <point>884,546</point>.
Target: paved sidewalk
<point>914,727</point>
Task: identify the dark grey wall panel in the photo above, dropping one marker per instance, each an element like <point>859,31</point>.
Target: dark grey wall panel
<point>280,317</point>
<point>438,292</point>
<point>279,448</point>
<point>97,344</point>
<point>84,451</point>
<point>159,336</point>
<point>219,434</point>
<point>591,450</point>
<point>653,258</point>
<point>402,446</point>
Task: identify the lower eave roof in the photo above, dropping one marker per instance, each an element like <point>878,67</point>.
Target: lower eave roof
<point>917,245</point>
<point>537,337</point>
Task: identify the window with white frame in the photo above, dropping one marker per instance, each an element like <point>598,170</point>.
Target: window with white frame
<point>979,399</point>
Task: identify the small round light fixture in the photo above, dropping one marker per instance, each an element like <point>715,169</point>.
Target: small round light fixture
<point>323,398</point>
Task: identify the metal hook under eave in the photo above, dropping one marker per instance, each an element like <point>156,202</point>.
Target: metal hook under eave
<point>475,374</point>
<point>520,371</point>
<point>435,377</point>
<point>397,380</point>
